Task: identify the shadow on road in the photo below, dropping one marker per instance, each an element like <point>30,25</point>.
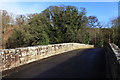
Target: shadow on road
<point>89,63</point>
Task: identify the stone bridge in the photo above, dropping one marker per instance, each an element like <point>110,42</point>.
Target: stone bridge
<point>67,60</point>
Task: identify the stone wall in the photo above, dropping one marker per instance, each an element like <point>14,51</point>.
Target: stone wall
<point>112,63</point>
<point>12,58</point>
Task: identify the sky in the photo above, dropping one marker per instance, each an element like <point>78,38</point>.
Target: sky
<point>105,11</point>
<point>59,0</point>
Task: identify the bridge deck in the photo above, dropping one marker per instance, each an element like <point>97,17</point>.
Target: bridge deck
<point>85,63</point>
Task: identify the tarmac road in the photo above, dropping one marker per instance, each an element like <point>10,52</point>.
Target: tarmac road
<point>83,63</point>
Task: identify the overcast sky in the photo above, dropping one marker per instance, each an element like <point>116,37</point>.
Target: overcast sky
<point>103,10</point>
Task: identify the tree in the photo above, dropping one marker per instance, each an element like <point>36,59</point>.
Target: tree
<point>56,24</point>
<point>16,40</point>
<point>116,30</point>
<point>93,21</point>
<point>65,21</point>
<point>5,19</point>
<point>21,19</point>
<point>31,34</point>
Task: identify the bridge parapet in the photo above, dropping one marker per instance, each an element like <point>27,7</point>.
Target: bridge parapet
<point>12,58</point>
<point>116,50</point>
<point>112,61</point>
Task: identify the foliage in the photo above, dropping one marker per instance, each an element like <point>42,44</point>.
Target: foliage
<point>116,30</point>
<point>61,24</point>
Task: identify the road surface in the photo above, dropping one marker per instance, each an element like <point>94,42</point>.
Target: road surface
<point>83,63</point>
